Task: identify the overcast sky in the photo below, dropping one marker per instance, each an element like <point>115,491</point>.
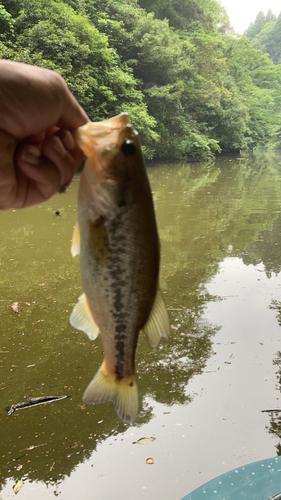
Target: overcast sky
<point>242,12</point>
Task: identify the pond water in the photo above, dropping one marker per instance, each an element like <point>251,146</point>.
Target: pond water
<point>201,394</point>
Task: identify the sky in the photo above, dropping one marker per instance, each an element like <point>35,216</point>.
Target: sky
<point>242,12</point>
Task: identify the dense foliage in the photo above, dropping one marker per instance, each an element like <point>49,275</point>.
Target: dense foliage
<point>265,34</point>
<point>191,86</point>
<point>261,20</point>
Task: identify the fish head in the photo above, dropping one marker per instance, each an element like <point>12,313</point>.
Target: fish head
<point>112,147</point>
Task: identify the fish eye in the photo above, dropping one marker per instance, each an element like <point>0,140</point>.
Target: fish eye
<point>128,148</point>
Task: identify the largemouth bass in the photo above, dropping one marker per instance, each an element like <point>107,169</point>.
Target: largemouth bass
<point>116,236</point>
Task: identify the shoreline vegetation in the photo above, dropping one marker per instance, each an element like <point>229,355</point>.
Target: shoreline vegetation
<point>193,87</point>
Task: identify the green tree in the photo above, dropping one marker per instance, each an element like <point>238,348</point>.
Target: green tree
<point>257,81</point>
<point>269,40</point>
<point>262,39</point>
<point>256,27</point>
<point>165,64</point>
<point>189,87</point>
<point>51,34</point>
<point>260,22</point>
<point>6,24</point>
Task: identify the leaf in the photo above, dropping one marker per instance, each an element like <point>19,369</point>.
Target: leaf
<point>145,440</point>
<point>150,460</point>
<point>18,486</point>
<point>15,307</point>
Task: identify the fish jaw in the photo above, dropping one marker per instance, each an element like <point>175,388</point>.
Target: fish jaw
<point>100,134</point>
<point>93,131</point>
<point>102,143</point>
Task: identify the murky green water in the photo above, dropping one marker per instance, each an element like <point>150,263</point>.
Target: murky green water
<point>201,395</point>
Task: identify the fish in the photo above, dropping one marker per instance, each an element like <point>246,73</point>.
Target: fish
<point>117,239</point>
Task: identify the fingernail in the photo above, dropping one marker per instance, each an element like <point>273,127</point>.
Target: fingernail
<point>31,154</point>
<point>68,140</point>
<point>58,146</point>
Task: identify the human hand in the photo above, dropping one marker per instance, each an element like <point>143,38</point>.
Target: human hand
<point>38,155</point>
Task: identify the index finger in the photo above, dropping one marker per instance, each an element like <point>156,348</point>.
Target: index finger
<point>72,115</point>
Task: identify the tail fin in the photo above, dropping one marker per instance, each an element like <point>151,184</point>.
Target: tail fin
<point>123,393</point>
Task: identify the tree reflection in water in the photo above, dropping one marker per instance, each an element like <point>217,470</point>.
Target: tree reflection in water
<point>205,212</point>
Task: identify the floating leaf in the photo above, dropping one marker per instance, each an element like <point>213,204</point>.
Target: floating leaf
<point>18,486</point>
<point>146,440</point>
<point>15,307</point>
<point>150,460</point>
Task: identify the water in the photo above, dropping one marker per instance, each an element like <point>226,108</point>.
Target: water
<point>201,395</point>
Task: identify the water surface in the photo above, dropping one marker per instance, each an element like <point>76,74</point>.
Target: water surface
<point>201,395</point>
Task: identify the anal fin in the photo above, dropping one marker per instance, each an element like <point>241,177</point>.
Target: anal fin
<point>82,319</point>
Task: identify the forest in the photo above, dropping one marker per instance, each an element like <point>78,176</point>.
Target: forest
<point>191,85</point>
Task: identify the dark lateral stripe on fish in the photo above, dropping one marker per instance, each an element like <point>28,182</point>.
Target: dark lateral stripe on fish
<point>118,270</point>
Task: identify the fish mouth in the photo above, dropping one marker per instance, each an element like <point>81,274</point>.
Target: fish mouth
<point>103,134</point>
<point>108,144</point>
<point>105,127</point>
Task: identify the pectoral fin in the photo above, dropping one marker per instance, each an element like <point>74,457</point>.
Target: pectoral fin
<point>158,323</point>
<point>75,247</point>
<point>82,319</point>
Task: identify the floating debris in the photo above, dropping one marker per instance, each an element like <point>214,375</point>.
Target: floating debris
<point>145,440</point>
<point>150,461</point>
<point>15,307</point>
<point>269,411</point>
<point>18,486</point>
<point>31,447</point>
<point>33,402</point>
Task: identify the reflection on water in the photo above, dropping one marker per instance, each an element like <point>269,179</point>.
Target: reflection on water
<point>217,222</point>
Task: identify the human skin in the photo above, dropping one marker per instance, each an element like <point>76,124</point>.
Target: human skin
<point>38,155</point>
